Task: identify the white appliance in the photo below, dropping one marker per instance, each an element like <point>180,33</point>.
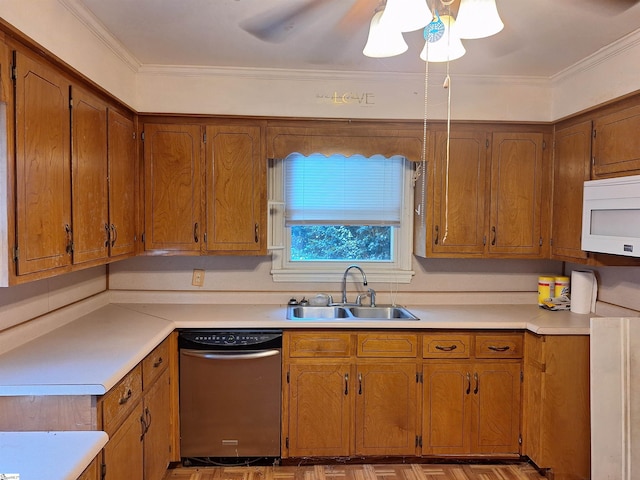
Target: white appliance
<point>611,216</point>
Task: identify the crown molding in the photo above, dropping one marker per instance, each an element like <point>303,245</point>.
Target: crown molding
<point>92,24</point>
<point>619,47</point>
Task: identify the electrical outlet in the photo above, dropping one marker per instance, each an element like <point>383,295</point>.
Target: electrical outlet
<point>197,280</point>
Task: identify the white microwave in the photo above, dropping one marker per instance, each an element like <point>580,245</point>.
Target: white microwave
<point>611,216</point>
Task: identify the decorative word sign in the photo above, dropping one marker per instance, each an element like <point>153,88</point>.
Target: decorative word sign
<point>348,98</point>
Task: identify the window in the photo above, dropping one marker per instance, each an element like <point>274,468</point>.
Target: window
<point>330,212</point>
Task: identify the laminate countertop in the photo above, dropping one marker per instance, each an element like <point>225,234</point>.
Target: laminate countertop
<point>91,354</point>
<point>48,455</point>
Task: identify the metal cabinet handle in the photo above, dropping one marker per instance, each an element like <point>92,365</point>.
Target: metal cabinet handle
<point>346,384</point>
<point>157,363</point>
<point>126,398</point>
<point>195,232</point>
<point>115,234</point>
<point>108,232</point>
<point>477,380</point>
<point>256,231</point>
<point>494,235</point>
<point>147,416</point>
<point>468,383</point>
<point>437,235</point>
<point>498,349</point>
<point>359,384</point>
<point>143,424</point>
<point>68,232</point>
<point>443,348</point>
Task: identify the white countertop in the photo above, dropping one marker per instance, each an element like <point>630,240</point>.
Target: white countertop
<point>85,357</point>
<point>49,455</point>
<point>90,355</point>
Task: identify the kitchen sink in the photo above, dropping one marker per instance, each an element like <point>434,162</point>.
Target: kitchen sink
<point>339,312</point>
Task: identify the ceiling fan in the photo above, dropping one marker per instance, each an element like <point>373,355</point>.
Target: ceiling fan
<point>275,25</point>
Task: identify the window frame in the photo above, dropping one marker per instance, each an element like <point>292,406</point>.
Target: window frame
<point>283,270</point>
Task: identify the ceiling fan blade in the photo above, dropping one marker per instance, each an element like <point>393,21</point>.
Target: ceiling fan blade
<point>274,25</point>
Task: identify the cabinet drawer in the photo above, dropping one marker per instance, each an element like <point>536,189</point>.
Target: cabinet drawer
<point>155,363</point>
<point>319,344</point>
<point>387,345</point>
<point>118,401</point>
<point>446,345</point>
<point>498,346</point>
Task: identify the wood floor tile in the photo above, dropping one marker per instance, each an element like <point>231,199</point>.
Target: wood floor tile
<point>359,472</point>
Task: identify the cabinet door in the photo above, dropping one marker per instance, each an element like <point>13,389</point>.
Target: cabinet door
<point>319,409</point>
<point>235,190</point>
<point>386,409</point>
<point>616,143</point>
<point>122,455</point>
<point>459,193</point>
<point>446,416</point>
<point>122,184</point>
<point>516,194</point>
<point>172,156</point>
<point>89,177</point>
<point>496,408</point>
<point>571,167</point>
<point>91,472</point>
<point>157,439</point>
<point>43,164</point>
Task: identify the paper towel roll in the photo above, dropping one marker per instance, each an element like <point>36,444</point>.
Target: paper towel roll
<point>584,291</point>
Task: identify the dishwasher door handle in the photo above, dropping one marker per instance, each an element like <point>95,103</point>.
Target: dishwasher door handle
<point>235,355</point>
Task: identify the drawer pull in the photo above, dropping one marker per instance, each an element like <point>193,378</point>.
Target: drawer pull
<point>475,377</point>
<point>498,349</point>
<point>126,398</point>
<point>468,383</point>
<point>450,348</point>
<point>346,384</point>
<point>359,384</point>
<point>157,363</point>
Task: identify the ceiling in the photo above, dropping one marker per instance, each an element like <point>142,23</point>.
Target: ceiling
<point>541,38</point>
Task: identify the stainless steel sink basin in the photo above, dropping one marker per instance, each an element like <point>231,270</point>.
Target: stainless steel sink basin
<point>382,312</point>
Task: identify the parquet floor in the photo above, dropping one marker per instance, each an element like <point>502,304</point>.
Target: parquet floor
<point>359,472</point>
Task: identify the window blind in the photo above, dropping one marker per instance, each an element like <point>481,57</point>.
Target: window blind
<point>339,190</point>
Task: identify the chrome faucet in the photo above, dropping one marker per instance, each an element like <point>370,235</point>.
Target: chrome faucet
<point>344,280</point>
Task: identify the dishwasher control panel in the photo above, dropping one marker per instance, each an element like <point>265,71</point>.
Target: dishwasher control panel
<point>236,338</point>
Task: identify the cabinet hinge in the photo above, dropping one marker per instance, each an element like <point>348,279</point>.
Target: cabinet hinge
<point>594,133</point>
<point>14,68</point>
<point>418,441</point>
<point>551,242</point>
<point>521,376</point>
<point>540,241</point>
<point>204,137</point>
<point>486,143</point>
<point>419,377</point>
<point>286,442</point>
<point>519,439</point>
<point>288,378</point>
<point>16,253</point>
<point>142,136</point>
<point>544,145</point>
<point>103,471</point>
<point>142,238</point>
<point>134,135</point>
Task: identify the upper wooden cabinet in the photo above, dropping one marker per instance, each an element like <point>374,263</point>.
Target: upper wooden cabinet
<point>235,190</point>
<point>75,174</point>
<point>43,168</point>
<point>616,143</point>
<point>172,164</point>
<point>487,194</point>
<point>571,168</point>
<point>89,177</point>
<point>205,188</point>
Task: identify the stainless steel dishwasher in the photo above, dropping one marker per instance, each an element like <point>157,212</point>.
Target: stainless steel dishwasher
<point>230,391</point>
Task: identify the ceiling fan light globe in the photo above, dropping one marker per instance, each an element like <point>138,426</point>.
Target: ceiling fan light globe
<point>477,19</point>
<point>447,48</point>
<point>406,15</point>
<point>383,42</point>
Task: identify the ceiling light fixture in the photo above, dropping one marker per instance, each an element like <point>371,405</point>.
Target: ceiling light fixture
<point>475,19</point>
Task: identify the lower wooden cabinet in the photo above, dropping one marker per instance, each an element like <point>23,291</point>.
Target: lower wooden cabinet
<point>557,404</point>
<point>137,415</point>
<point>362,403</point>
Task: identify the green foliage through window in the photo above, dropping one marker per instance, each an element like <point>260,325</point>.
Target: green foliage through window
<point>341,243</point>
